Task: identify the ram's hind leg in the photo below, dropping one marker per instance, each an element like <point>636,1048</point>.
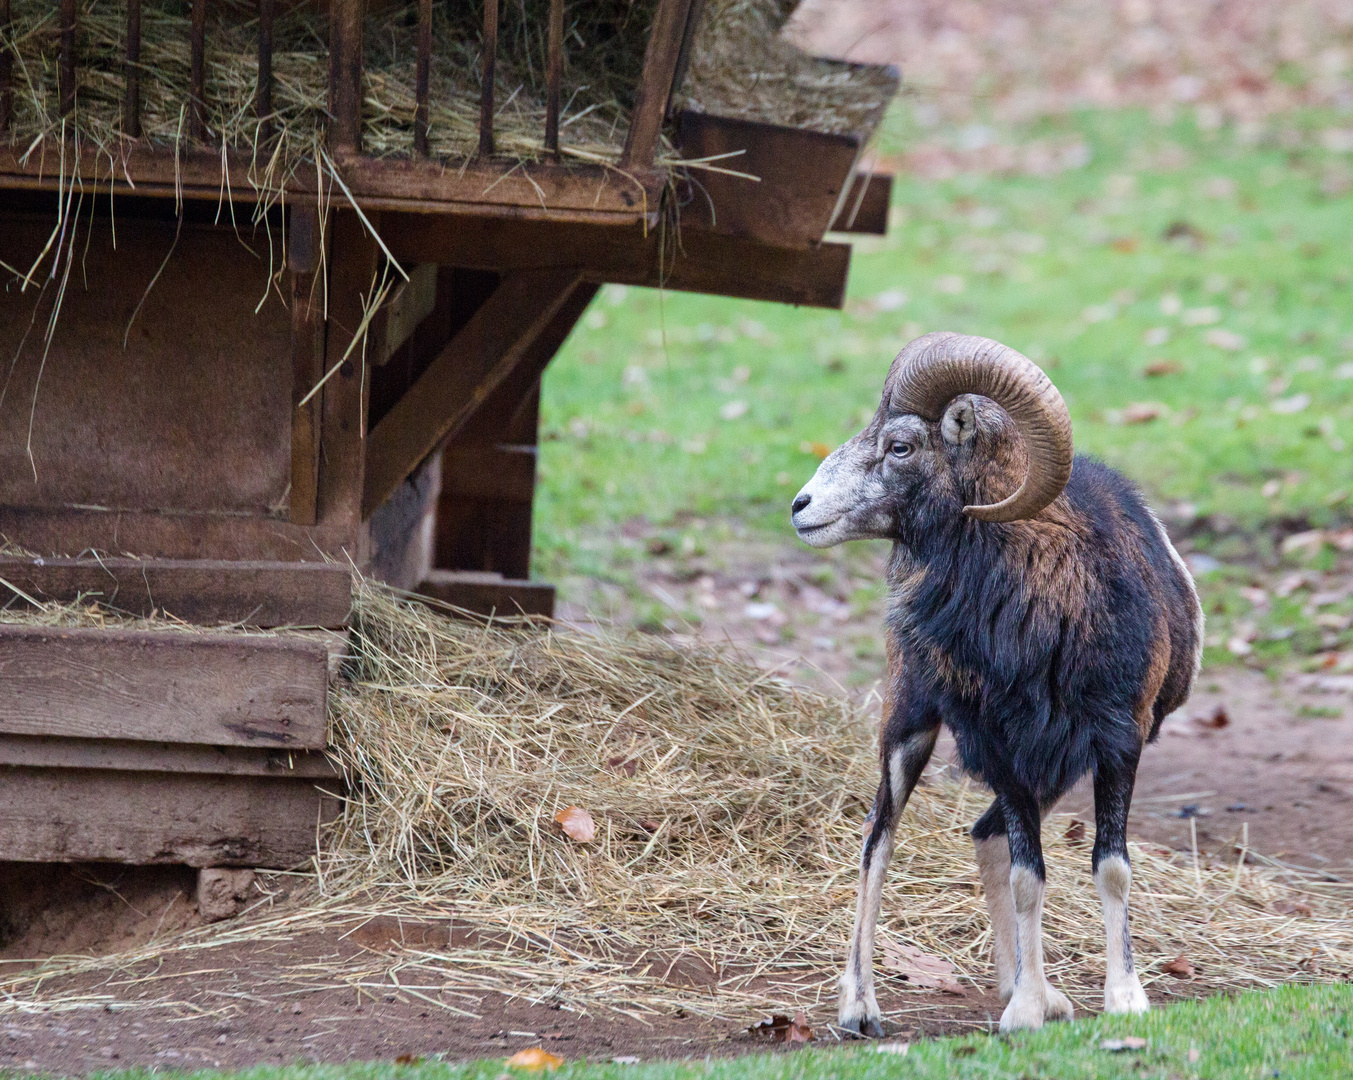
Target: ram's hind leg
<point>1123,991</point>
<point>993,867</point>
<point>903,762</point>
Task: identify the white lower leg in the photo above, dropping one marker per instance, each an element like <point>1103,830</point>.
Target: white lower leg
<point>1123,991</point>
<point>859,1009</point>
<point>993,867</point>
<point>1033,999</point>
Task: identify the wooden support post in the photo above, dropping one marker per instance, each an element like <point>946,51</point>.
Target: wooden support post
<point>422,74</point>
<point>197,104</point>
<point>263,98</point>
<point>474,363</point>
<point>6,73</point>
<point>345,75</point>
<point>66,71</point>
<point>307,361</point>
<point>553,75</point>
<point>131,73</point>
<point>655,84</point>
<point>490,58</point>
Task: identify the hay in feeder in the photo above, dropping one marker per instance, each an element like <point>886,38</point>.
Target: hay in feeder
<point>727,807</point>
<point>739,65</point>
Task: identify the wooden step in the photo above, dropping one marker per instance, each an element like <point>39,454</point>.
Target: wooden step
<point>489,593</point>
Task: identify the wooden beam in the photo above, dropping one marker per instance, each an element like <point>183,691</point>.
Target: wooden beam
<point>489,471</point>
<point>57,752</point>
<point>307,361</point>
<point>82,815</point>
<point>207,592</point>
<point>554,68</point>
<point>655,84</point>
<point>489,594</point>
<point>488,64</point>
<point>66,62</point>
<point>865,209</point>
<point>476,360</point>
<point>345,75</point>
<point>217,689</point>
<point>422,72</point>
<point>704,262</point>
<point>131,73</point>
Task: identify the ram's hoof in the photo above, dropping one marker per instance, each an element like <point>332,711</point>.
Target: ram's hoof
<point>869,1027</point>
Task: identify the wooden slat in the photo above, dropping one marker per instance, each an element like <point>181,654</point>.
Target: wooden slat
<point>197,45</point>
<point>486,76</point>
<point>345,75</point>
<point>307,362</point>
<point>263,96</point>
<point>489,594</point>
<point>489,471</point>
<point>66,70</point>
<point>125,755</point>
<point>216,689</point>
<point>655,84</point>
<point>865,209</point>
<point>421,75</point>
<point>209,592</point>
<point>131,73</point>
<point>553,74</point>
<point>78,815</point>
<point>6,73</point>
<point>476,360</point>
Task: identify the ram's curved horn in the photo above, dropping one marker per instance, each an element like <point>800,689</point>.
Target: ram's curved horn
<point>932,370</point>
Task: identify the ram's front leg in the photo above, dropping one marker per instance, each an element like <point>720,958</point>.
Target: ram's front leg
<point>903,759</point>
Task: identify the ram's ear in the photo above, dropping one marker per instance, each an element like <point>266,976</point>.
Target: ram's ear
<point>960,421</point>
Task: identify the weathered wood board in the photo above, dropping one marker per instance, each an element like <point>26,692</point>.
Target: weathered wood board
<point>212,689</point>
<point>128,755</point>
<point>488,593</point>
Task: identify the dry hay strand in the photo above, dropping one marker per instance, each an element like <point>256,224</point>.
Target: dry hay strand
<point>739,65</point>
<point>727,805</point>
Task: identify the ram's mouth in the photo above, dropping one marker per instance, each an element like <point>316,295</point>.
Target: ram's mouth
<point>804,530</point>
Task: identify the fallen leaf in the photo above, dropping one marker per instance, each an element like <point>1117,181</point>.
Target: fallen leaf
<point>577,823</point>
<point>1143,412</point>
<point>1124,245</point>
<point>771,1025</point>
<point>1127,1042</point>
<point>625,1059</point>
<point>799,1031</point>
<point>899,1048</point>
<point>1181,967</point>
<point>408,1059</point>
<point>817,449</point>
<point>1224,339</point>
<point>920,968</point>
<point>1290,907</point>
<point>628,766</point>
<point>1162,367</point>
<point>1194,1055</point>
<point>534,1059</point>
<point>1217,719</point>
<point>1075,833</point>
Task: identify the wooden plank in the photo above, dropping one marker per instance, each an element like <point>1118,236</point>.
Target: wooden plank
<point>488,64</point>
<point>411,303</point>
<point>79,815</point>
<point>66,61</point>
<point>476,360</point>
<point>307,362</point>
<point>489,594</point>
<point>197,79</point>
<point>865,209</point>
<point>207,592</point>
<point>487,471</point>
<point>263,95</point>
<point>131,73</point>
<point>422,71</point>
<point>217,689</point>
<point>802,175</point>
<point>125,755</point>
<point>706,262</point>
<point>401,529</point>
<point>655,83</point>
<point>554,67</point>
<point>540,191</point>
<point>345,75</point>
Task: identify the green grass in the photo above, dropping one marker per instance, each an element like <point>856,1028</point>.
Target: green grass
<point>643,409</point>
<point>1296,1033</point>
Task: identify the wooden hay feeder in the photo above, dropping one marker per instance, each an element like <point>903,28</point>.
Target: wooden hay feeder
<point>163,446</point>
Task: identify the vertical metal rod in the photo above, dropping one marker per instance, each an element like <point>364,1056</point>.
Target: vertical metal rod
<point>66,71</point>
<point>345,75</point>
<point>197,105</point>
<point>553,73</point>
<point>486,77</point>
<point>263,99</point>
<point>421,76</point>
<point>6,73</point>
<point>131,73</point>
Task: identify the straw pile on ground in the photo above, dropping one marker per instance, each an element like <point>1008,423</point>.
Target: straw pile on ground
<point>739,64</point>
<point>727,808</point>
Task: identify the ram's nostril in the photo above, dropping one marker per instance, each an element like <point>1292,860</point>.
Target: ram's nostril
<point>800,501</point>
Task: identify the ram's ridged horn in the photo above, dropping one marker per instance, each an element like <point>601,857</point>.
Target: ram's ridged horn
<point>932,370</point>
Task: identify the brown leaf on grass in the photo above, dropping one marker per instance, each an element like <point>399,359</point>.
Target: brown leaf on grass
<point>1143,412</point>
<point>534,1059</point>
<point>1181,967</point>
<point>1162,367</point>
<point>817,449</point>
<point>1290,907</point>
<point>782,1029</point>
<point>577,823</point>
<point>1217,719</point>
<point>1075,833</point>
<point>408,1059</point>
<point>920,968</point>
<point>1124,245</point>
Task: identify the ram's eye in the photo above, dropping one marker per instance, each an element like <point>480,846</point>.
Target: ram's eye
<point>900,449</point>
